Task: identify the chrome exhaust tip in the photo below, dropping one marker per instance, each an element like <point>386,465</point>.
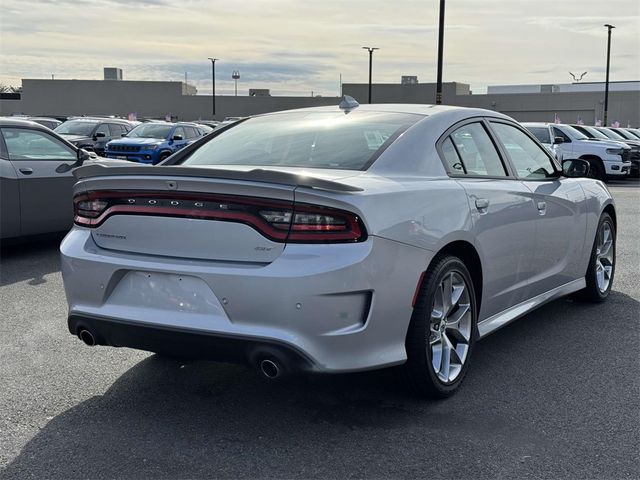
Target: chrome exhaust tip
<point>87,337</point>
<point>270,369</point>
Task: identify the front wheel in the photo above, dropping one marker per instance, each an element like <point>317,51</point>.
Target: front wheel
<point>442,330</point>
<point>602,263</point>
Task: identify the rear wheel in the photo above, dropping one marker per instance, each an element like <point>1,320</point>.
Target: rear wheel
<point>442,330</point>
<point>602,264</point>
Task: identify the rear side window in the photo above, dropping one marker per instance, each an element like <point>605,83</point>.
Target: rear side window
<point>477,152</point>
<point>349,141</point>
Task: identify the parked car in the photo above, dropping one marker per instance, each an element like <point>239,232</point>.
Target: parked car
<point>595,133</point>
<point>50,123</point>
<point>337,239</point>
<point>153,142</point>
<point>634,131</point>
<point>606,159</point>
<point>93,134</point>
<point>35,197</point>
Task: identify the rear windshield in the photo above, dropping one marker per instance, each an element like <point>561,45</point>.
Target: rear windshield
<point>313,140</point>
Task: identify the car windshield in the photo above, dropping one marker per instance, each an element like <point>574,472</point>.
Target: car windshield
<point>151,130</point>
<point>595,133</point>
<point>624,134</point>
<point>76,127</point>
<point>574,133</point>
<point>611,134</point>
<point>305,139</point>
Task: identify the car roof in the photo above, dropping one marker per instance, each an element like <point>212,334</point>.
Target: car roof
<point>97,120</point>
<point>20,122</point>
<point>50,119</point>
<point>412,108</point>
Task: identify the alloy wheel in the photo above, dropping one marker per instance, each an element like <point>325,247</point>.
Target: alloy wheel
<point>604,257</point>
<point>450,327</point>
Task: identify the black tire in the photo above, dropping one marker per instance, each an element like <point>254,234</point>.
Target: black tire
<point>596,169</point>
<point>592,292</point>
<point>418,372</point>
<point>163,157</point>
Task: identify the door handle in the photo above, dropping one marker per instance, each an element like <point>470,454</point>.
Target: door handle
<point>26,171</point>
<point>482,204</point>
<point>542,208</point>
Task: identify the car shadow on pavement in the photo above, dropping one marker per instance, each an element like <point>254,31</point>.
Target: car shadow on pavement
<point>29,260</point>
<point>189,419</point>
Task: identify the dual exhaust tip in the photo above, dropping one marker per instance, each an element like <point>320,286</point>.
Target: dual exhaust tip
<point>270,369</point>
<point>87,337</point>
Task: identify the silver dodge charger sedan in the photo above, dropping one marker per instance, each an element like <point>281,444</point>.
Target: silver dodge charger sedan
<point>336,239</point>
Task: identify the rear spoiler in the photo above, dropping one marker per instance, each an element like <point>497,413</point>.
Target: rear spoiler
<point>255,175</point>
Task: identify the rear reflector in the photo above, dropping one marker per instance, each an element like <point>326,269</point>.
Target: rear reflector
<point>278,220</point>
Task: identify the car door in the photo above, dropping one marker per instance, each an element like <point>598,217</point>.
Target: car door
<point>503,214</point>
<point>561,209</point>
<point>9,196</point>
<point>46,203</point>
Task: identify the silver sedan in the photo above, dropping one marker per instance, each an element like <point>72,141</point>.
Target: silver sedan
<point>337,239</point>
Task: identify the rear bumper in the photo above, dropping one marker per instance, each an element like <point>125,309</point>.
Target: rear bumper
<point>342,307</point>
<point>189,343</point>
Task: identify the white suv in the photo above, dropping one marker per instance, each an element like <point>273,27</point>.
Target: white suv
<point>608,159</point>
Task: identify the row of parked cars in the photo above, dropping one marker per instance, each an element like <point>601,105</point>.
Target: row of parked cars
<point>611,152</point>
<point>148,142</point>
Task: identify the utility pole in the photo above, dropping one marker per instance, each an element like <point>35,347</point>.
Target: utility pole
<point>371,50</point>
<point>213,85</point>
<point>606,83</point>
<point>440,52</point>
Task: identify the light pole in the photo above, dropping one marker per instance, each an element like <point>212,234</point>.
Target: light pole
<point>440,50</point>
<point>236,76</point>
<point>213,85</point>
<point>606,83</point>
<point>371,50</point>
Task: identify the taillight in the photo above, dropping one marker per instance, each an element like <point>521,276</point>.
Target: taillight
<point>278,220</point>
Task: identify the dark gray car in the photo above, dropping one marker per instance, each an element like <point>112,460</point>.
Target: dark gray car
<point>93,134</point>
<point>34,197</point>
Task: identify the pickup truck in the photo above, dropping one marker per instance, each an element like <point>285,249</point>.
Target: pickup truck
<point>607,159</point>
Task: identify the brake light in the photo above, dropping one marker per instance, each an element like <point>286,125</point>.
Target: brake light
<point>280,221</point>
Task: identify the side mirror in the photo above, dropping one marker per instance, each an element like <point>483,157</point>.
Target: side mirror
<point>558,140</point>
<point>99,135</point>
<point>177,137</point>
<point>575,168</point>
<point>123,134</point>
<point>81,154</point>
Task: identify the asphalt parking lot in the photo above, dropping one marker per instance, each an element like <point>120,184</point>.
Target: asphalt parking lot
<point>554,395</point>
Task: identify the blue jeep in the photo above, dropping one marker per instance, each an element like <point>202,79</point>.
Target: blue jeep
<point>153,142</point>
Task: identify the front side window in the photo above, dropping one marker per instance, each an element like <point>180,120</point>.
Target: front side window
<point>477,152</point>
<point>116,130</point>
<point>541,133</point>
<point>104,129</point>
<point>529,159</point>
<point>23,144</point>
<point>305,139</point>
<point>179,131</point>
<point>559,133</point>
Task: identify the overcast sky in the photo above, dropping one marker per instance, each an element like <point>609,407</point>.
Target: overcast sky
<point>300,46</point>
